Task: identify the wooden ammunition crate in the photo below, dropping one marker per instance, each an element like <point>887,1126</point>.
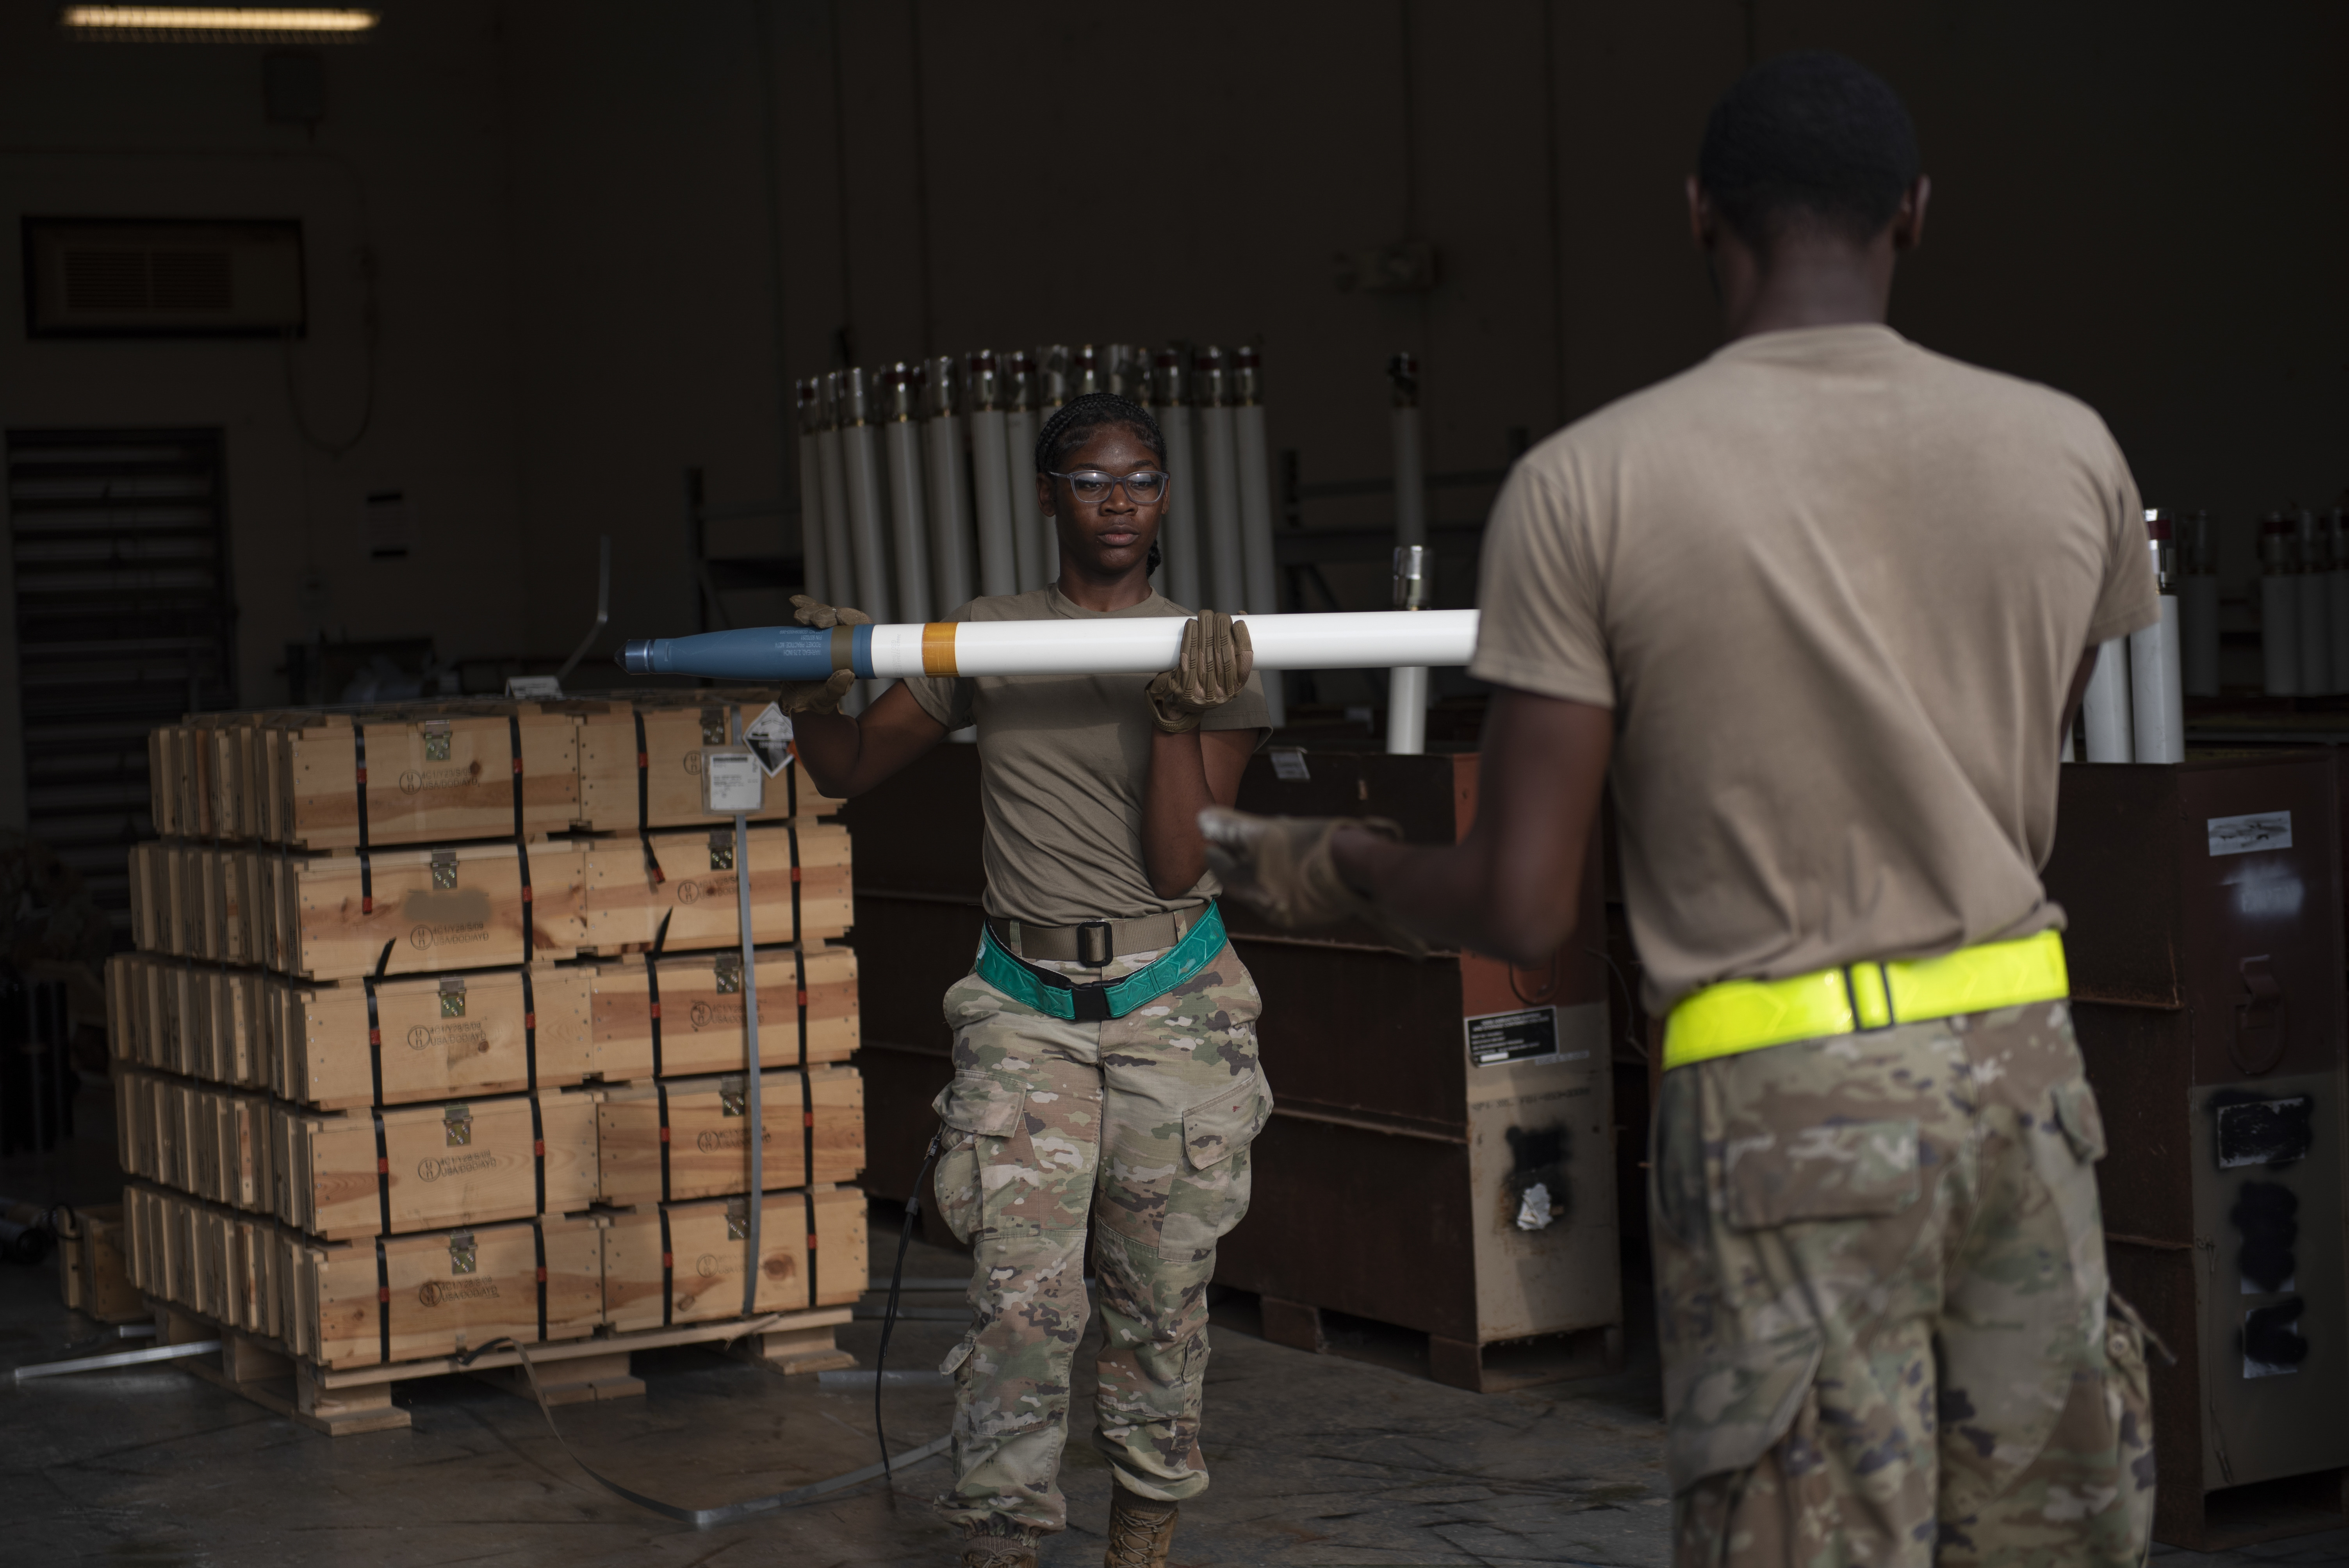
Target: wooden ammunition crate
<point>229,1266</point>
<point>807,1011</point>
<point>198,1020</point>
<point>685,1138</point>
<point>429,778</point>
<point>214,1143</point>
<point>812,1253</point>
<point>799,888</point>
<point>625,786</point>
<point>433,910</point>
<point>94,1264</point>
<point>444,1291</point>
<point>449,1036</point>
<point>442,1165</point>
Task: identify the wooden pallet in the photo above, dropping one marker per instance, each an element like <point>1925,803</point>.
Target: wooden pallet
<point>1492,1368</point>
<point>359,1400</point>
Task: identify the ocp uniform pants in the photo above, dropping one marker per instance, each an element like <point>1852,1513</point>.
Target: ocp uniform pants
<point>1138,1128</point>
<point>1888,1334</point>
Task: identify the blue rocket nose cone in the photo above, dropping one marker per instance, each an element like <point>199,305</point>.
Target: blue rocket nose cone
<point>637,656</point>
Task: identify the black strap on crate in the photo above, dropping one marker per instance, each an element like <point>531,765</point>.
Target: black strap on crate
<point>809,1193</point>
<point>644,802</point>
<point>530,1029</point>
<point>538,1232</point>
<point>660,1091</point>
<point>669,1268</point>
<point>799,987</point>
<point>791,833</point>
<point>521,839</point>
<point>652,985</point>
<point>538,1154</point>
<point>374,1024</point>
<point>382,1170</point>
<point>367,871</point>
<point>382,1284</point>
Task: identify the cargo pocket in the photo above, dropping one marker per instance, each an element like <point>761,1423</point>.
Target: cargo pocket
<point>1215,1129</point>
<point>1847,1170</point>
<point>2083,1127</point>
<point>981,1118</point>
<point>1210,1195</point>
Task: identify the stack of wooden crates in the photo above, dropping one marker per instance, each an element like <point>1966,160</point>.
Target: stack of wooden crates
<point>435,1038</point>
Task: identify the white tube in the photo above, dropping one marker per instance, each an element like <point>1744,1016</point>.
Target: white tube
<point>2199,610</point>
<point>950,487</point>
<point>998,556</point>
<point>1143,645</point>
<point>2280,633</point>
<point>1407,710</point>
<point>861,469</point>
<point>2157,689</point>
<point>2105,708</point>
<point>1179,536</point>
<point>814,569</point>
<point>2315,622</point>
<point>1262,580</point>
<point>1032,534</point>
<point>908,532</point>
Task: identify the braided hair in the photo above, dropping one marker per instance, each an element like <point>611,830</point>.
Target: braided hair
<point>1078,418</point>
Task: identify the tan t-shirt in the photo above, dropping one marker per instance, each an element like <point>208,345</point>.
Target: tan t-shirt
<point>1064,760</point>
<point>1834,588</point>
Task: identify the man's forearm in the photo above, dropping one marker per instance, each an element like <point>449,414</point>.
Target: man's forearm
<point>1447,896</point>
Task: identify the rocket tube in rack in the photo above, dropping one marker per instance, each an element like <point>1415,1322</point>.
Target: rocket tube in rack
<point>860,454</point>
<point>2104,710</point>
<point>2157,672</point>
<point>2279,608</point>
<point>998,557</point>
<point>815,564</point>
<point>1372,640</point>
<point>1226,568</point>
<point>949,484</point>
<point>909,533</point>
<point>1178,536</point>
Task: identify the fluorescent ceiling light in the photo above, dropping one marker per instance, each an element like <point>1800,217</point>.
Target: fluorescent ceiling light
<point>215,21</point>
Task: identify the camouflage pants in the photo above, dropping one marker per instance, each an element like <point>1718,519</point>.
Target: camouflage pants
<point>1888,1334</point>
<point>1137,1129</point>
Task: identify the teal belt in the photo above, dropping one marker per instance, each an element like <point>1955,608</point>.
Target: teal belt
<point>1055,995</point>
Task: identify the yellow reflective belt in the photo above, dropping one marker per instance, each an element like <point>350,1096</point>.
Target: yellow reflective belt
<point>1747,1015</point>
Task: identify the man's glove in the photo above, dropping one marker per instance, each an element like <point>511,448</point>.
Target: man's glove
<point>1210,669</point>
<point>1281,867</point>
<point>824,695</point>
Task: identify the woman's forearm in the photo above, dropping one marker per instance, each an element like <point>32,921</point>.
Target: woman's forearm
<point>1172,850</point>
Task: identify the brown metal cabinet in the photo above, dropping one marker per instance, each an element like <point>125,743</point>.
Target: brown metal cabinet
<point>1441,1157</point>
<point>2206,952</point>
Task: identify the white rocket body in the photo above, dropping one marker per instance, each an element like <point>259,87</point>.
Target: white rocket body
<point>998,554</point>
<point>908,533</point>
<point>2104,710</point>
<point>2156,688</point>
<point>949,509</point>
<point>861,463</point>
<point>1185,506</point>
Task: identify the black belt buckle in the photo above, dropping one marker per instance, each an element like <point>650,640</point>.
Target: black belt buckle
<point>1089,1004</point>
<point>1093,943</point>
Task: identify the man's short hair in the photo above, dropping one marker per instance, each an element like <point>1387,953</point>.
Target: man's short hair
<point>1810,139</point>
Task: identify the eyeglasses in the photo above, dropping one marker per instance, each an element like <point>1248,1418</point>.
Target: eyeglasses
<point>1093,485</point>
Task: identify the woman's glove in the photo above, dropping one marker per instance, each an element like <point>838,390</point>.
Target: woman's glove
<point>1281,867</point>
<point>824,695</point>
<point>1209,671</point>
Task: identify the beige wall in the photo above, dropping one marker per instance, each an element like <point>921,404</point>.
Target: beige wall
<point>574,227</point>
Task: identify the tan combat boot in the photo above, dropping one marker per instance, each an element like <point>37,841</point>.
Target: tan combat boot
<point>1141,1531</point>
<point>1006,1547</point>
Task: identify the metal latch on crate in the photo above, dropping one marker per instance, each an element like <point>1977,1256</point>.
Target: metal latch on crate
<point>444,868</point>
<point>713,727</point>
<point>728,968</point>
<point>733,1097</point>
<point>738,1219</point>
<point>436,740</point>
<point>461,1255</point>
<point>453,997</point>
<point>457,1125</point>
<point>721,850</point>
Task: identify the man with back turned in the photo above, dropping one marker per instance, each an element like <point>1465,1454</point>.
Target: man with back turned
<point>1825,602</point>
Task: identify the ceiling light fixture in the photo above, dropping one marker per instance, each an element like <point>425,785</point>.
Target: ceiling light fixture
<point>215,24</point>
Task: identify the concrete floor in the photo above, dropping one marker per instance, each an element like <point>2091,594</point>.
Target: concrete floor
<point>1317,1460</point>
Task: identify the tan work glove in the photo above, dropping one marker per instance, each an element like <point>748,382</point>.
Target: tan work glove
<point>1210,669</point>
<point>1281,867</point>
<point>824,695</point>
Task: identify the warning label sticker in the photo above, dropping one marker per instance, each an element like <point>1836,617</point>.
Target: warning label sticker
<point>768,737</point>
<point>1530,1036</point>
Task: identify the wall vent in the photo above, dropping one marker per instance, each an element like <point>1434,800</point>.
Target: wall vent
<point>122,277</point>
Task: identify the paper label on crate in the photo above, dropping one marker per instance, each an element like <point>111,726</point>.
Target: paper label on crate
<point>2250,834</point>
<point>1288,764</point>
<point>768,737</point>
<point>534,689</point>
<point>732,783</point>
<point>1528,1035</point>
